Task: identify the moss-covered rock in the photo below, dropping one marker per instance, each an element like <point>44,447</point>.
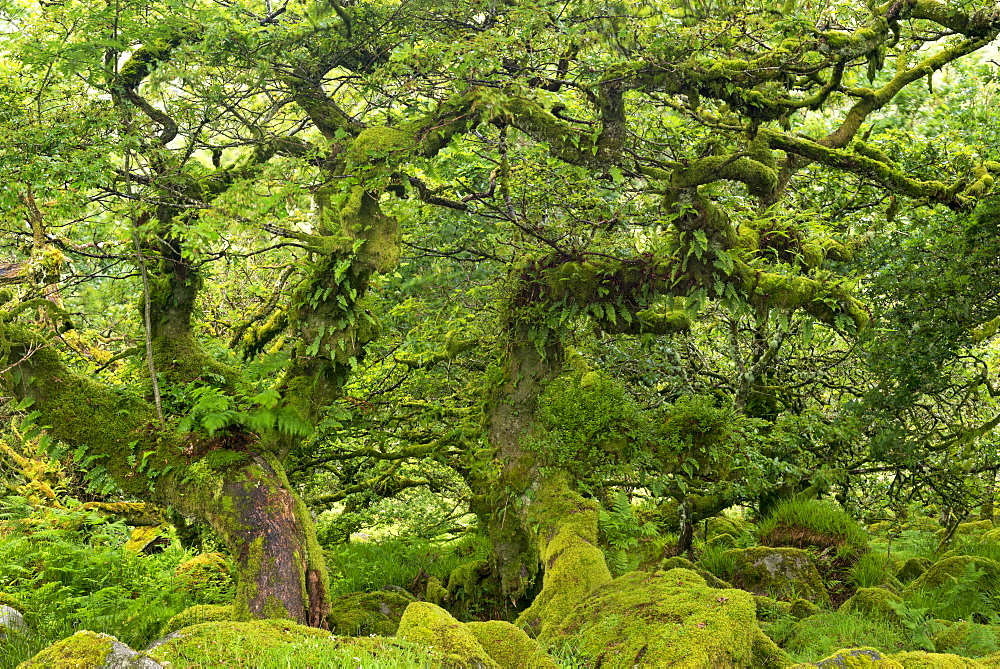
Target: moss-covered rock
<point>957,567</point>
<point>802,608</point>
<point>281,642</point>
<point>669,618</point>
<point>813,524</point>
<point>194,615</point>
<point>873,601</point>
<point>509,646</point>
<point>771,609</point>
<point>870,657</point>
<point>367,613</point>
<point>678,562</point>
<point>724,540</point>
<point>992,536</point>
<point>719,525</point>
<point>967,638</point>
<point>852,657</point>
<point>922,524</point>
<point>913,568</point>
<point>783,573</point>
<point>206,569</point>
<point>970,528</point>
<point>430,625</point>
<point>882,528</point>
<point>918,659</point>
<point>148,539</point>
<point>89,650</point>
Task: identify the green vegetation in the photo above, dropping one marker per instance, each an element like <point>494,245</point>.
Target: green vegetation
<point>500,333</point>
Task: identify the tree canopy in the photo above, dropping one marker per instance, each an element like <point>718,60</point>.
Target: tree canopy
<point>519,263</point>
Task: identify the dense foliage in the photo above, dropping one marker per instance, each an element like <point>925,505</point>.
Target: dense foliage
<point>490,302</point>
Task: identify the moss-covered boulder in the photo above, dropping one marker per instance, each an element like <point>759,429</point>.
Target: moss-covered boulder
<point>718,525</point>
<point>850,657</point>
<point>193,615</point>
<point>367,613</point>
<point>918,659</point>
<point>873,601</point>
<point>967,638</point>
<point>711,579</point>
<point>992,536</point>
<point>271,643</point>
<point>813,524</point>
<point>957,567</point>
<point>771,609</point>
<point>882,528</point>
<point>971,528</point>
<point>922,524</point>
<point>204,570</point>
<point>509,646</point>
<point>89,650</point>
<point>669,618</point>
<point>429,625</point>
<point>782,573</point>
<point>870,657</point>
<point>802,608</point>
<point>913,568</point>
<point>724,540</point>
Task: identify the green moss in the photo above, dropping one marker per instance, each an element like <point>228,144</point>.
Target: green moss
<point>194,615</point>
<point>850,658</point>
<point>367,613</point>
<point>722,541</point>
<point>435,592</point>
<point>378,145</point>
<point>771,609</point>
<point>142,536</point>
<point>202,570</point>
<point>974,527</point>
<point>430,625</point>
<point>918,659</point>
<point>957,567</point>
<point>678,562</point>
<point>567,541</point>
<point>784,573</point>
<point>83,650</point>
<point>509,646</point>
<point>803,608</point>
<point>967,639</point>
<point>281,643</point>
<point>668,619</point>
<point>913,568</point>
<point>874,601</point>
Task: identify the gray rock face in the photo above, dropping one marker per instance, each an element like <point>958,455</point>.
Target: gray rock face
<point>123,657</point>
<point>11,620</point>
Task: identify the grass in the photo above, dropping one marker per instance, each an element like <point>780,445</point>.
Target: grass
<point>821,635</point>
<point>871,570</point>
<point>812,522</point>
<point>715,560</point>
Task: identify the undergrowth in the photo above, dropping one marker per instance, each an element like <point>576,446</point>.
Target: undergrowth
<point>364,566</point>
<point>66,570</point>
